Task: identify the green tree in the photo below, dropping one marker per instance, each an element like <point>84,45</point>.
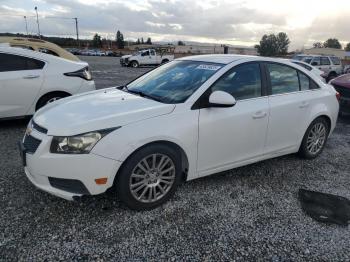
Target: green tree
<point>96,41</point>
<point>180,43</point>
<point>120,40</point>
<point>273,45</point>
<point>332,43</point>
<point>317,45</point>
<point>347,47</point>
<point>142,42</point>
<point>149,41</point>
<point>138,41</point>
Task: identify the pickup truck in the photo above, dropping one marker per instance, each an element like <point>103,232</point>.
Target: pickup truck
<point>145,57</point>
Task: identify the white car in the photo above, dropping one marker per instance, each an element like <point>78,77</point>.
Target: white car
<point>312,69</point>
<point>331,65</point>
<point>187,119</point>
<point>29,80</point>
<point>145,57</point>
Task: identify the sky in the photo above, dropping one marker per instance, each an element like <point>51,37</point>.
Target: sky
<point>235,22</point>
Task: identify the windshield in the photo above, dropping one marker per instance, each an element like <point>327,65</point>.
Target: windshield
<point>174,82</point>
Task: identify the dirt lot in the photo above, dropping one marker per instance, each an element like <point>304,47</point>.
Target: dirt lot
<point>246,214</point>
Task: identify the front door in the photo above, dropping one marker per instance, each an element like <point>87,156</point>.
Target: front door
<point>235,134</point>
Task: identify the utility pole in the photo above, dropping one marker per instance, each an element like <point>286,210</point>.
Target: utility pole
<point>25,20</point>
<point>76,29</point>
<point>37,21</point>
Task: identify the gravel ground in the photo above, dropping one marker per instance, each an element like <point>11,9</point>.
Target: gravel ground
<point>249,213</point>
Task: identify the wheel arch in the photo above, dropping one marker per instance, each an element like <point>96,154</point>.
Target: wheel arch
<point>58,92</point>
<point>173,145</point>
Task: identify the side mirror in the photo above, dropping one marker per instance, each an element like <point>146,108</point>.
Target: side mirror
<point>221,99</point>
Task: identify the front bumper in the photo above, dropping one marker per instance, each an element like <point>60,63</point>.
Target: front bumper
<point>66,175</point>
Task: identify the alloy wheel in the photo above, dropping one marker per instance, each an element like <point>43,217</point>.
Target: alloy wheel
<point>152,178</point>
<point>316,138</point>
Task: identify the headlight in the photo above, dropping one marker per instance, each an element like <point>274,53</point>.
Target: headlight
<point>79,144</point>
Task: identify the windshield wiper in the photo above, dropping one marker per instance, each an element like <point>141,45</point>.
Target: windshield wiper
<point>143,94</point>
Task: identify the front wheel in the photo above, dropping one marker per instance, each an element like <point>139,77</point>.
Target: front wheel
<point>314,139</point>
<point>49,98</point>
<point>149,177</point>
<point>134,64</point>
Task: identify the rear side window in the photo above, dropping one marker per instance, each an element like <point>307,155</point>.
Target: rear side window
<point>304,82</point>
<point>242,82</point>
<point>47,51</point>
<point>325,61</point>
<point>335,60</point>
<point>284,79</point>
<point>18,63</point>
<point>304,65</point>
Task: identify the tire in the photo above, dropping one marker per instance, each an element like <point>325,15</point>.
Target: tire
<point>164,61</point>
<point>49,98</point>
<point>141,190</point>
<point>314,139</point>
<point>134,64</point>
<point>331,76</point>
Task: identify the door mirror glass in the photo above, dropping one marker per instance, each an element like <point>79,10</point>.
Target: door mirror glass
<point>221,99</point>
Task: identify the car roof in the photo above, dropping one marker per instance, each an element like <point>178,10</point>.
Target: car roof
<point>35,54</point>
<point>37,44</point>
<point>217,58</point>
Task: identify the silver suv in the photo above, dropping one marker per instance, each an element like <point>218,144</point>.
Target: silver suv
<point>330,65</point>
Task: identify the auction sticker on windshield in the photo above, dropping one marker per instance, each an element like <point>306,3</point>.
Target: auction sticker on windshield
<point>208,67</point>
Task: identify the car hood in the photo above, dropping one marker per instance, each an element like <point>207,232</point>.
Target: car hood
<point>343,81</point>
<point>126,56</point>
<point>97,110</point>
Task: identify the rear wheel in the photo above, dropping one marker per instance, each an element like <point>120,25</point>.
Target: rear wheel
<point>314,139</point>
<point>49,98</point>
<point>149,177</point>
<point>164,61</point>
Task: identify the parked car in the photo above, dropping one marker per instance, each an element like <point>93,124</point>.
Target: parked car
<point>342,85</point>
<point>38,45</point>
<point>145,57</point>
<point>347,69</point>
<point>199,115</point>
<point>331,65</point>
<point>88,52</point>
<point>29,80</point>
<point>312,69</point>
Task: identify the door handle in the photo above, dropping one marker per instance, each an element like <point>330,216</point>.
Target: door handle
<point>31,76</point>
<point>259,114</point>
<point>304,104</point>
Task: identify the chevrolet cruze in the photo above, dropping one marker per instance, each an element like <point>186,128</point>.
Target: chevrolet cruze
<point>187,119</point>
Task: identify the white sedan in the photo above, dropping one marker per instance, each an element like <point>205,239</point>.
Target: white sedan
<point>29,80</point>
<point>187,119</point>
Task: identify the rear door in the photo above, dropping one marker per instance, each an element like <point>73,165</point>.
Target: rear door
<point>20,81</point>
<point>290,105</point>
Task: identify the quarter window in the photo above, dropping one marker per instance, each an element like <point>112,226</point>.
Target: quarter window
<point>284,79</point>
<point>242,82</point>
<point>304,82</point>
<point>18,63</point>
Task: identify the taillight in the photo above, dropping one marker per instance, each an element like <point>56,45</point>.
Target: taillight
<point>337,94</point>
<point>82,73</point>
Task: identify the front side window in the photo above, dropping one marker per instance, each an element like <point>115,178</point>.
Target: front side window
<point>284,79</point>
<point>152,52</point>
<point>174,82</point>
<point>316,61</point>
<point>145,53</point>
<point>325,61</point>
<point>9,62</point>
<point>335,60</point>
<point>242,82</point>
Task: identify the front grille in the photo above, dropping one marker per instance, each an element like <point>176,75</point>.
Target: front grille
<point>39,128</point>
<point>31,144</point>
<point>345,92</point>
<point>126,60</point>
